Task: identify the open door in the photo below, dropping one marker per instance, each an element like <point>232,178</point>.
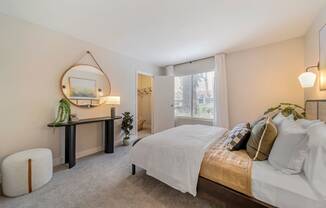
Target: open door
<point>144,109</point>
<point>163,103</point>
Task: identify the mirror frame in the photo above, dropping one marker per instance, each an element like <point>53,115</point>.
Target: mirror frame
<point>65,72</point>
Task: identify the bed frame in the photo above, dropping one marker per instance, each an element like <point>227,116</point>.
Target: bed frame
<point>233,199</point>
<point>226,196</point>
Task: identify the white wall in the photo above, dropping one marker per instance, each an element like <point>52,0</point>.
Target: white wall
<point>33,59</point>
<point>262,77</point>
<point>312,54</point>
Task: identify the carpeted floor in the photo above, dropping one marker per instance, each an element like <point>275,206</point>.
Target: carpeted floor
<point>104,180</point>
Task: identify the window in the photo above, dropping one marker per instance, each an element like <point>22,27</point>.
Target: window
<point>194,95</point>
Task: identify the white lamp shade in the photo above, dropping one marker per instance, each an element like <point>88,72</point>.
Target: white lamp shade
<point>307,79</point>
<point>112,100</point>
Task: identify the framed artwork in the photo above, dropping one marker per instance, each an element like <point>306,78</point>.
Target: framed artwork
<point>322,58</point>
<point>82,88</point>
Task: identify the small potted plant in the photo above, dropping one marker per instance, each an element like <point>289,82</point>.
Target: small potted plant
<point>63,112</point>
<point>127,126</point>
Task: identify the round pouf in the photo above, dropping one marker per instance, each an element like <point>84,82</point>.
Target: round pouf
<point>26,171</point>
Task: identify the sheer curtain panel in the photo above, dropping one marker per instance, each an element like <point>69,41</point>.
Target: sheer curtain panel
<point>221,102</point>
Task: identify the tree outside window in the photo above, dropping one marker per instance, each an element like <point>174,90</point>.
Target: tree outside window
<point>194,95</point>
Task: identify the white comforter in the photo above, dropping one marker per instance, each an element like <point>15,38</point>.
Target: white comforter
<point>174,156</point>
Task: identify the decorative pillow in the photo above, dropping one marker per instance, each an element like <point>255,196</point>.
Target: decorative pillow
<point>290,148</point>
<point>238,126</point>
<point>315,163</point>
<point>261,140</point>
<point>238,137</point>
<point>260,118</point>
<point>228,138</point>
<point>279,118</point>
<point>273,113</point>
<point>265,116</point>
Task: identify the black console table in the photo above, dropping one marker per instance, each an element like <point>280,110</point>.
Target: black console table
<point>70,136</point>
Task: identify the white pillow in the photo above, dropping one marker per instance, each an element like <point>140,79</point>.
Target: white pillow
<point>315,164</point>
<point>307,123</point>
<point>290,148</point>
<point>279,118</point>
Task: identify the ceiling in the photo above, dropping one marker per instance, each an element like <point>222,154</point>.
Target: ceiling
<point>165,32</point>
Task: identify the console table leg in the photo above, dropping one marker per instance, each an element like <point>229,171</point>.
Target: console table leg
<point>109,136</point>
<point>70,146</point>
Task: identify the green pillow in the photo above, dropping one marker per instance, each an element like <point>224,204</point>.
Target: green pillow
<point>261,140</point>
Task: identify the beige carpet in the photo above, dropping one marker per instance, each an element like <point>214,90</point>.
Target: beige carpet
<point>104,180</point>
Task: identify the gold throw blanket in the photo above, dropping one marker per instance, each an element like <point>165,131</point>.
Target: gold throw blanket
<point>229,168</point>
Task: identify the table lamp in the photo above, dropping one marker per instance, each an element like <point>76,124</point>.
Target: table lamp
<point>113,101</point>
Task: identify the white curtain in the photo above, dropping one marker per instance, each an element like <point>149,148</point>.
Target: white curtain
<point>221,104</point>
<point>169,70</point>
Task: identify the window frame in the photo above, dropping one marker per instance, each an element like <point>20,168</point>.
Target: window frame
<point>192,117</point>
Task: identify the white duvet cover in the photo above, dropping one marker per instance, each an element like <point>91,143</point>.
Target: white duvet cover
<point>174,156</point>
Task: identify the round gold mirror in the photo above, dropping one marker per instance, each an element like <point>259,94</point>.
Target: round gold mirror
<point>85,85</point>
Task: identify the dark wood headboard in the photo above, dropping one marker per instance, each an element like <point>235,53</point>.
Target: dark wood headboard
<point>316,109</point>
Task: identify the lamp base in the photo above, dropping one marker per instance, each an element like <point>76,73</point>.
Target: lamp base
<point>113,112</point>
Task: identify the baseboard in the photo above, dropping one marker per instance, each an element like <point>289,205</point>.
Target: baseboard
<point>59,160</point>
<point>89,152</point>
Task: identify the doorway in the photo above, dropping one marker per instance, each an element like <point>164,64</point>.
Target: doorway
<point>144,105</point>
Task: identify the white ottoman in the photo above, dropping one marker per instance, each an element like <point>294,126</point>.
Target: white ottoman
<point>26,171</point>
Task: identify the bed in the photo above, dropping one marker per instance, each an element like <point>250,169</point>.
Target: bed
<point>176,162</point>
<point>268,187</point>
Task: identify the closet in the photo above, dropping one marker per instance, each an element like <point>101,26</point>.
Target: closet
<point>144,105</point>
